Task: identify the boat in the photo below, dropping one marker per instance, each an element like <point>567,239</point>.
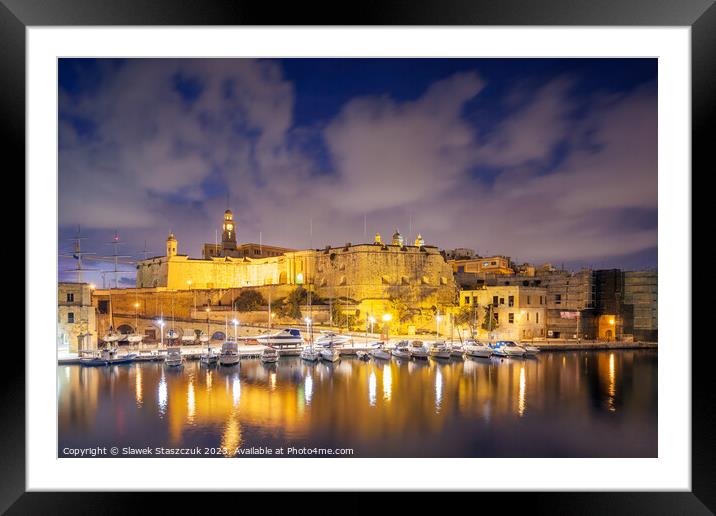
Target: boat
<point>363,355</point>
<point>111,337</point>
<point>172,335</point>
<point>174,358</point>
<point>456,350</point>
<point>379,352</point>
<point>286,337</point>
<point>474,348</point>
<point>401,349</point>
<point>439,350</point>
<point>229,355</point>
<point>330,338</point>
<point>135,338</point>
<point>107,357</point>
<point>507,348</point>
<point>269,355</point>
<point>530,351</point>
<point>310,354</point>
<point>188,339</point>
<point>209,357</point>
<point>330,354</point>
<point>418,350</point>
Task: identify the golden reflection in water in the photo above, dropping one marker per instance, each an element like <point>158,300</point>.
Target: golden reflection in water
<point>371,389</point>
<point>273,380</point>
<point>138,385</point>
<point>190,402</point>
<point>209,380</point>
<point>236,390</point>
<point>438,389</point>
<point>612,384</point>
<point>387,382</point>
<point>308,389</point>
<point>162,395</point>
<point>521,396</point>
<point>231,437</point>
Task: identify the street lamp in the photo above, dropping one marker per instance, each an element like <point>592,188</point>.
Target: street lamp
<point>161,332</point>
<point>236,324</point>
<point>386,319</point>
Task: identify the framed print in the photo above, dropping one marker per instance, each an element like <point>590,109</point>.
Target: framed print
<point>439,250</point>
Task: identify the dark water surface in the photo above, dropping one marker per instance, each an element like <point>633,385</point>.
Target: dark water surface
<point>561,404</point>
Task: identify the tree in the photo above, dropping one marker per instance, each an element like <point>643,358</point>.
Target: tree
<point>465,316</point>
<point>292,304</point>
<point>489,322</point>
<point>249,300</point>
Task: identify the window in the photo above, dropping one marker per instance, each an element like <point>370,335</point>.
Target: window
<point>537,317</point>
<point>485,264</point>
<point>103,306</point>
<point>70,297</point>
<point>511,318</point>
<point>558,299</point>
<point>502,300</point>
<point>497,317</point>
<point>511,301</point>
<point>461,268</point>
<point>467,300</point>
<point>494,300</point>
<point>528,300</point>
<point>528,316</point>
<point>70,317</point>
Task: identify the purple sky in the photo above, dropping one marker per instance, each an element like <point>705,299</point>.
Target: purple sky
<point>540,160</point>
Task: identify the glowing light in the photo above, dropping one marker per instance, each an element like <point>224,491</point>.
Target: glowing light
<point>235,322</point>
<point>299,277</point>
<point>387,382</point>
<point>190,402</point>
<point>308,389</point>
<point>136,305</point>
<point>162,396</point>
<point>92,286</point>
<point>612,383</point>
<point>138,385</point>
<point>307,320</point>
<point>371,319</point>
<point>371,389</point>
<point>387,317</point>
<point>438,389</point>
<point>611,321</point>
<point>208,309</point>
<point>521,396</point>
<point>236,390</point>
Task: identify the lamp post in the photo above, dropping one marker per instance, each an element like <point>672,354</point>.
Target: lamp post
<point>161,333</point>
<point>371,321</point>
<point>236,324</point>
<point>386,319</point>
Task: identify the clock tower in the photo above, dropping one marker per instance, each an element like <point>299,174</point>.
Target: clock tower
<point>228,236</point>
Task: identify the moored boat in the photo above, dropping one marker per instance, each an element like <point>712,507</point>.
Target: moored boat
<point>330,354</point>
<point>269,355</point>
<point>379,352</point>
<point>401,349</point>
<point>507,348</point>
<point>229,355</point>
<point>476,349</point>
<point>309,354</point>
<point>530,351</point>
<point>439,350</point>
<point>456,350</point>
<point>174,358</point>
<point>418,350</point>
<point>287,337</point>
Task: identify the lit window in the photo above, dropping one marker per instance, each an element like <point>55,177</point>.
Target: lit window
<point>511,301</point>
<point>70,317</point>
<point>511,318</point>
<point>467,300</point>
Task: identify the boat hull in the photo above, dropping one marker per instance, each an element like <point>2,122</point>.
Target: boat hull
<point>420,355</point>
<point>380,354</point>
<point>440,354</point>
<point>400,354</point>
<point>229,360</point>
<point>309,356</point>
<point>330,356</point>
<point>478,353</point>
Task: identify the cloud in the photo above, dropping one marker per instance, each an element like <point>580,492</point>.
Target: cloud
<point>155,145</point>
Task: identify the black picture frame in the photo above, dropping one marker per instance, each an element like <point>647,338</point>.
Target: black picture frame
<point>700,15</point>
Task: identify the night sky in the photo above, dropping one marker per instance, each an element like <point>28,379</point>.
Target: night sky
<point>543,160</point>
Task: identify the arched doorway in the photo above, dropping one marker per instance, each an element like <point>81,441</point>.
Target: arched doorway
<point>125,329</point>
<point>218,335</point>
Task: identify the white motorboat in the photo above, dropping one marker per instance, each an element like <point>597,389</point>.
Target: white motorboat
<point>439,350</point>
<point>330,354</point>
<point>229,355</point>
<point>474,348</point>
<point>209,357</point>
<point>287,337</point>
<point>310,354</point>
<point>330,338</point>
<point>107,357</point>
<point>507,348</point>
<point>418,350</point>
<point>188,339</point>
<point>530,351</point>
<point>174,358</point>
<point>269,355</point>
<point>456,350</point>
<point>379,352</point>
<point>401,349</point>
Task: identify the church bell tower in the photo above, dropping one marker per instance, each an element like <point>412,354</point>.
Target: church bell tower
<point>228,236</point>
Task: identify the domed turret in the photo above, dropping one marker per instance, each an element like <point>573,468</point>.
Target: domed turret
<point>377,238</point>
<point>397,238</point>
<point>419,241</point>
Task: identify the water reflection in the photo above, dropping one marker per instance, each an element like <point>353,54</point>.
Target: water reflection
<point>562,404</point>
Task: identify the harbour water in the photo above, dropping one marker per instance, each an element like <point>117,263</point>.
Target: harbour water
<point>560,404</point>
